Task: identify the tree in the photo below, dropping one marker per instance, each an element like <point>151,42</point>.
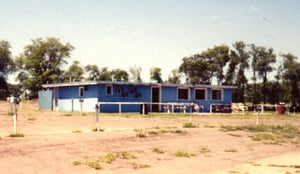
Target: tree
<point>155,74</point>
<point>219,56</point>
<point>74,73</point>
<point>265,58</point>
<point>105,74</point>
<point>42,61</point>
<point>174,77</point>
<point>120,75</point>
<point>291,72</point>
<point>6,63</point>
<point>135,72</point>
<point>254,53</point>
<point>239,61</point>
<point>201,68</point>
<point>93,72</point>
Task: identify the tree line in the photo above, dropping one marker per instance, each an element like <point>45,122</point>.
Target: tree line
<point>246,66</point>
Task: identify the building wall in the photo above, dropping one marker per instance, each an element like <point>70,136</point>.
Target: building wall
<point>85,97</point>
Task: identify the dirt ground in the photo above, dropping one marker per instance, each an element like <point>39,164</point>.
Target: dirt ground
<point>60,142</point>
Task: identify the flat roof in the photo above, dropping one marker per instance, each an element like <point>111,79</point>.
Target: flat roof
<point>86,83</point>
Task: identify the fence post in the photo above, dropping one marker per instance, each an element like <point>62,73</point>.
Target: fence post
<point>97,117</point>
<point>15,117</point>
<point>120,109</point>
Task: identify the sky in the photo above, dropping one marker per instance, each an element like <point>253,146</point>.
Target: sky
<point>150,33</point>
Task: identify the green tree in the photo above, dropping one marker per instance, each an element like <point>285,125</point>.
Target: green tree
<point>266,58</point>
<point>74,73</point>
<point>239,61</point>
<point>201,68</point>
<point>135,72</point>
<point>254,53</point>
<point>93,72</point>
<point>155,74</point>
<point>174,77</point>
<point>42,61</point>
<point>120,75</point>
<point>219,56</point>
<point>105,74</point>
<point>6,64</point>
<point>291,72</point>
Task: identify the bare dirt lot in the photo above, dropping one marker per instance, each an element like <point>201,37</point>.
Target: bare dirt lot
<point>60,142</point>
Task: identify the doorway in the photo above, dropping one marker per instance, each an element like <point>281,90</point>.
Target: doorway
<point>155,99</point>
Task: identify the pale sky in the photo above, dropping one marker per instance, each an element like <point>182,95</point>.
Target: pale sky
<point>150,33</point>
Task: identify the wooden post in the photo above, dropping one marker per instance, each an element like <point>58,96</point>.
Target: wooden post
<point>15,117</point>
<point>97,117</point>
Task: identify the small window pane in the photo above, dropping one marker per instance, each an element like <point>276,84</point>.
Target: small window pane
<point>81,91</point>
<point>200,94</point>
<point>108,90</point>
<point>183,94</point>
<point>217,94</point>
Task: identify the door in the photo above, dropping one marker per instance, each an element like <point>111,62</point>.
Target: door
<point>155,99</point>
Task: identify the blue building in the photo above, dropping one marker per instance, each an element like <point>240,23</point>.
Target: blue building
<point>130,97</point>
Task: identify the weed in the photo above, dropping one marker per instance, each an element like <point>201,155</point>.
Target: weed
<point>209,126</point>
<point>108,158</point>
<point>268,138</point>
<point>157,150</point>
<point>204,149</point>
<point>95,129</point>
<point>190,125</point>
<point>141,133</point>
<point>126,155</point>
<point>235,135</point>
<point>68,114</point>
<point>181,153</point>
<point>140,166</point>
<point>77,163</point>
<point>231,150</point>
<point>275,133</point>
<point>94,164</point>
<point>16,135</point>
<point>76,131</point>
<point>31,118</point>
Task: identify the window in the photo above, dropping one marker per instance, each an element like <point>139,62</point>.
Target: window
<point>217,94</point>
<point>183,93</point>
<point>81,91</point>
<point>120,89</point>
<point>109,90</point>
<point>200,94</point>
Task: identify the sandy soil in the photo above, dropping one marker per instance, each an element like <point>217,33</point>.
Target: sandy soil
<point>56,142</point>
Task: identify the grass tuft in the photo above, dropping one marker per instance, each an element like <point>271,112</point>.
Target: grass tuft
<point>274,134</point>
<point>190,125</point>
<point>94,164</point>
<point>181,153</point>
<point>204,149</point>
<point>77,163</point>
<point>231,150</point>
<point>108,158</point>
<point>16,135</point>
<point>77,131</point>
<point>157,150</point>
<point>126,155</point>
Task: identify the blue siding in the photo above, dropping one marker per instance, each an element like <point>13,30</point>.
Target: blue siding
<point>69,96</point>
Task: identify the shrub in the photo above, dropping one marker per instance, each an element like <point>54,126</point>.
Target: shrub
<point>157,150</point>
<point>16,135</point>
<point>190,125</point>
<point>180,153</point>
